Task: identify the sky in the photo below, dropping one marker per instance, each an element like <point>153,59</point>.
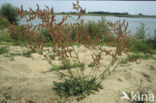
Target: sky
<point>132,7</point>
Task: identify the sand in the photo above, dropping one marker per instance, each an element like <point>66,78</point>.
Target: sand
<point>28,80</point>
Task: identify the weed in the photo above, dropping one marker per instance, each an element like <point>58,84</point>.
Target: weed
<point>4,35</point>
<point>141,31</point>
<point>27,54</point>
<point>91,65</point>
<point>45,32</point>
<point>140,46</point>
<point>4,50</point>
<point>73,82</point>
<point>138,56</point>
<point>79,87</point>
<point>3,22</point>
<point>67,65</point>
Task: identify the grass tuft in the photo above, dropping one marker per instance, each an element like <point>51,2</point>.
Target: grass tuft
<point>91,65</point>
<point>27,54</point>
<point>140,46</point>
<point>4,50</point>
<point>138,56</point>
<point>79,87</point>
<point>66,65</point>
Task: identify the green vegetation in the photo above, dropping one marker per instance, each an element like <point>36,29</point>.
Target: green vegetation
<point>3,50</point>
<point>5,36</point>
<point>141,31</point>
<point>67,65</point>
<point>3,22</point>
<point>91,28</point>
<point>27,53</point>
<point>79,87</point>
<point>141,42</point>
<point>111,14</point>
<point>46,34</point>
<point>139,56</point>
<point>91,65</point>
<point>9,11</point>
<point>61,37</point>
<point>140,46</point>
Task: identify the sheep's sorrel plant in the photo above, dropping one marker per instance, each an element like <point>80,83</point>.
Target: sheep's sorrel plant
<point>74,82</point>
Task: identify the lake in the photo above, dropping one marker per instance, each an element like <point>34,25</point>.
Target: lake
<point>134,23</point>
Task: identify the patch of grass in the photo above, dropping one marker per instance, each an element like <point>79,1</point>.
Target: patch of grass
<point>19,43</point>
<point>45,32</point>
<point>140,46</point>
<point>48,44</point>
<point>3,101</point>
<point>3,22</point>
<point>91,65</point>
<point>152,43</point>
<point>4,50</point>
<point>66,65</point>
<point>27,53</point>
<point>79,87</point>
<point>5,36</point>
<point>138,56</point>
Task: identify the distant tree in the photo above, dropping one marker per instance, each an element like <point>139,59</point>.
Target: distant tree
<point>9,11</point>
<point>83,11</point>
<point>73,12</point>
<point>25,11</point>
<point>140,14</point>
<point>63,12</point>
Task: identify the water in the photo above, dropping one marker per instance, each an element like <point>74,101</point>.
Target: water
<point>134,23</point>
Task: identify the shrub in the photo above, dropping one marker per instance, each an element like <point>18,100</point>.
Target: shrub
<point>140,46</point>
<point>45,32</point>
<point>3,22</point>
<point>9,11</point>
<point>3,50</point>
<point>74,82</point>
<point>79,87</point>
<point>92,28</point>
<point>17,34</point>
<point>5,36</point>
<point>141,31</point>
<point>152,41</point>
<point>138,56</point>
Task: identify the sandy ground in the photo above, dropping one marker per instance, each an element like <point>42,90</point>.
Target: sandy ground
<point>26,80</point>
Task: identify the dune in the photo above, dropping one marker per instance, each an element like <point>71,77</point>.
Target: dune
<point>28,80</point>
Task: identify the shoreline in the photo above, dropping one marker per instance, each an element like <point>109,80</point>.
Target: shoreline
<point>128,16</point>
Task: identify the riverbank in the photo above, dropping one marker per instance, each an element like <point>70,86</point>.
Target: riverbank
<point>130,16</point>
